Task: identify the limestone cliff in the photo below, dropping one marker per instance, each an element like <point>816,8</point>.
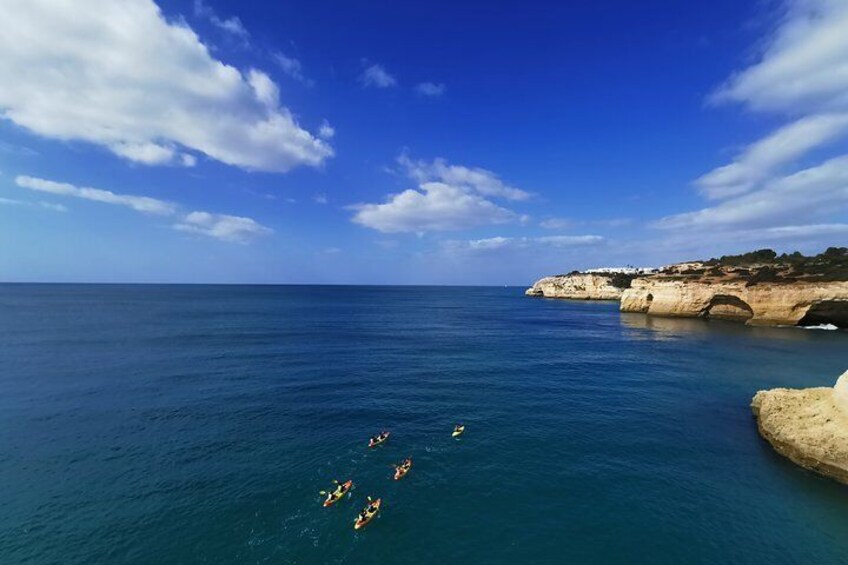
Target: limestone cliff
<point>809,426</point>
<point>784,303</point>
<point>758,288</point>
<point>577,286</point>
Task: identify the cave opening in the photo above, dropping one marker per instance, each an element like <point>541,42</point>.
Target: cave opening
<point>834,312</point>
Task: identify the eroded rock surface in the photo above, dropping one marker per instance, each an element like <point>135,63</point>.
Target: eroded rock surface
<point>577,286</point>
<point>760,304</point>
<point>809,426</point>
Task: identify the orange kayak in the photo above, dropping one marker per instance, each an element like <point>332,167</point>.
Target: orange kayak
<point>372,443</point>
<point>332,498</point>
<point>402,470</point>
<point>362,522</point>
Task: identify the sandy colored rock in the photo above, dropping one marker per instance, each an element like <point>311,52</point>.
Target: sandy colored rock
<point>809,426</point>
<point>760,304</point>
<point>582,286</point>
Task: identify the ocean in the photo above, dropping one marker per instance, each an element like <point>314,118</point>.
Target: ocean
<point>197,424</point>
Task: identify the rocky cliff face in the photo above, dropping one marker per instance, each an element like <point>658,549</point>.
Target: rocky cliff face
<point>577,286</point>
<point>809,426</point>
<point>781,303</point>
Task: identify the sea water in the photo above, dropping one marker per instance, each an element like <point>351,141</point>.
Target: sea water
<point>197,424</point>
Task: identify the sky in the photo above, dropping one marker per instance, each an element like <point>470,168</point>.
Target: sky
<point>340,142</point>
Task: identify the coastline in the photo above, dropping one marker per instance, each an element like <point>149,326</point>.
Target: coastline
<point>788,291</point>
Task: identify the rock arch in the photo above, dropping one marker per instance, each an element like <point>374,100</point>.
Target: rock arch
<point>728,307</point>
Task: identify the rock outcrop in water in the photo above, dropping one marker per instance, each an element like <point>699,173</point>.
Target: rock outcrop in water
<point>809,426</point>
<point>579,286</point>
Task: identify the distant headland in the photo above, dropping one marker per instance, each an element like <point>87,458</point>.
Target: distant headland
<point>757,288</point>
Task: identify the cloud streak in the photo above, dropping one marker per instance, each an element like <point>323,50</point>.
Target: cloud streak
<point>808,194</point>
<point>220,226</point>
<point>786,178</point>
<point>766,156</point>
<point>503,243</point>
<point>39,204</point>
<point>142,204</point>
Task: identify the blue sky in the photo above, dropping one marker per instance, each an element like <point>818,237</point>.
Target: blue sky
<point>425,143</point>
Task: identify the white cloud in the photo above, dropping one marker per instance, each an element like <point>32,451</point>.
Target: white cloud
<point>117,74</point>
<point>326,131</point>
<point>479,180</point>
<point>376,75</point>
<point>810,193</point>
<point>556,223</point>
<point>500,242</point>
<point>569,240</point>
<point>264,88</point>
<point>320,198</point>
<point>146,153</point>
<point>810,230</point>
<point>803,71</point>
<point>291,67</point>
<point>497,242</point>
<point>434,206</point>
<point>138,203</point>
<point>805,65</point>
<point>802,75</point>
<point>431,89</point>
<point>231,25</point>
<point>448,197</point>
<point>40,203</point>
<point>221,226</point>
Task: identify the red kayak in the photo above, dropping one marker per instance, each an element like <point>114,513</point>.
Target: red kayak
<point>334,497</point>
<point>402,469</point>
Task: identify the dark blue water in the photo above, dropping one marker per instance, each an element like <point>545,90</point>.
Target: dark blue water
<point>183,424</point>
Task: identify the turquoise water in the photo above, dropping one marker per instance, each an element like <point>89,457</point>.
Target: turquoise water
<point>196,424</point>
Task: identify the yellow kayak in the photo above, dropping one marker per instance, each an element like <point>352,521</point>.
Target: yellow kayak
<point>457,431</point>
<point>361,522</point>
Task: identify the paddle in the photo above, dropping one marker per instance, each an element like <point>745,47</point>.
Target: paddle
<point>324,492</point>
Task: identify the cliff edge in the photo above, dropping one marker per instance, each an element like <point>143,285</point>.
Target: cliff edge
<point>580,286</point>
<point>808,426</point>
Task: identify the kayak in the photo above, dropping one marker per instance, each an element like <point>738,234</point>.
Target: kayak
<point>458,432</point>
<point>362,522</point>
<point>372,443</point>
<point>332,498</point>
<point>401,470</point>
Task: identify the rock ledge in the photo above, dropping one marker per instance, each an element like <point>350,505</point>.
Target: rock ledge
<point>808,426</point>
